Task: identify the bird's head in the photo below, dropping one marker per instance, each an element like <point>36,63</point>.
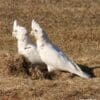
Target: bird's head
<point>37,31</point>
<point>18,31</point>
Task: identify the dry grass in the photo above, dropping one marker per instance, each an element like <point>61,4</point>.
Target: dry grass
<point>74,25</point>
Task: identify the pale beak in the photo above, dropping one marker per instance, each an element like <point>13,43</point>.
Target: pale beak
<point>31,32</point>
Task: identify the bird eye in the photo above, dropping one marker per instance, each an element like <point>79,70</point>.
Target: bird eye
<point>35,30</point>
<point>15,30</point>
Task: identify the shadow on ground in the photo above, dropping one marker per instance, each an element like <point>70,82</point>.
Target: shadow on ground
<point>89,70</point>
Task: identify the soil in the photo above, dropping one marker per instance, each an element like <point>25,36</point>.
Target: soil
<point>74,26</point>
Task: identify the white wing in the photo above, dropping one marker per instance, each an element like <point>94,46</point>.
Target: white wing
<point>53,56</point>
<point>30,52</point>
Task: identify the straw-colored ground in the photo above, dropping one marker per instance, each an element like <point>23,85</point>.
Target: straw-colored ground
<point>74,25</point>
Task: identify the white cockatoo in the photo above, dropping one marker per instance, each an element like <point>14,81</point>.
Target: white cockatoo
<point>24,44</point>
<point>51,55</point>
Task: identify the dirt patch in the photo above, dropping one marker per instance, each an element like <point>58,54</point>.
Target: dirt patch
<point>74,25</point>
<point>39,83</point>
<point>18,65</point>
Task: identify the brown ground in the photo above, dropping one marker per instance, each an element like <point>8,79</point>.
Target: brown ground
<point>74,25</point>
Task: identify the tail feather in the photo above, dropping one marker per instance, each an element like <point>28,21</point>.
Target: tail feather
<point>77,70</point>
<point>80,73</point>
<point>84,75</point>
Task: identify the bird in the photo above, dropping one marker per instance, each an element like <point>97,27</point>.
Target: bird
<point>51,55</point>
<point>25,46</point>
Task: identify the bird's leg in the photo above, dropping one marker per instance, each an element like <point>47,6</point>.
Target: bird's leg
<point>50,68</point>
<point>49,74</point>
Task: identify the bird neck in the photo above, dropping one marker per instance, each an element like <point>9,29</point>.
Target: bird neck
<point>23,42</point>
<point>41,41</point>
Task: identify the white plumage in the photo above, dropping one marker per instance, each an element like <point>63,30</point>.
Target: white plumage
<point>24,44</point>
<point>52,55</point>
